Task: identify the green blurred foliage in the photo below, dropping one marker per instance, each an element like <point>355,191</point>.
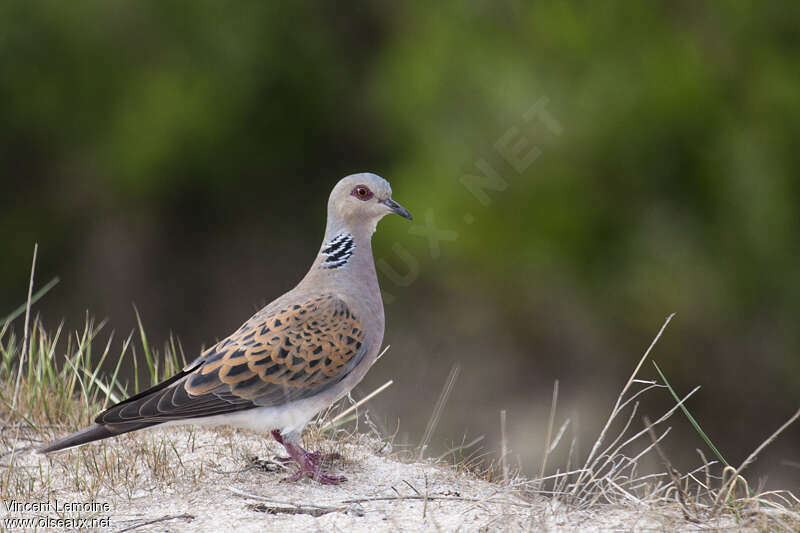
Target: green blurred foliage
<point>672,185</point>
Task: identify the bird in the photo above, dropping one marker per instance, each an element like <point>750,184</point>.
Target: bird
<point>290,360</point>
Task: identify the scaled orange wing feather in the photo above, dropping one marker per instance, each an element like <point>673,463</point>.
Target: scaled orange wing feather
<point>293,353</point>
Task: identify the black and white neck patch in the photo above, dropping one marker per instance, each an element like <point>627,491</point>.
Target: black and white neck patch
<point>338,251</point>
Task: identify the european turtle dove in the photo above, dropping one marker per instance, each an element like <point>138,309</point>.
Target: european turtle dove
<point>294,357</point>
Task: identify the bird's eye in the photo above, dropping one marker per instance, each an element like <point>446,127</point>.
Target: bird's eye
<point>362,192</point>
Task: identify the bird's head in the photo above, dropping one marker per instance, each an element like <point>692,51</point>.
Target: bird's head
<point>361,200</point>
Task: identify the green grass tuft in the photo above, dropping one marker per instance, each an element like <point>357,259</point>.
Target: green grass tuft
<point>692,420</point>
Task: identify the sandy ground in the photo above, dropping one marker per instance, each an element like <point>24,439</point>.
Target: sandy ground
<point>206,480</point>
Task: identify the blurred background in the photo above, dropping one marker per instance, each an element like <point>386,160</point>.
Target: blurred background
<point>577,172</point>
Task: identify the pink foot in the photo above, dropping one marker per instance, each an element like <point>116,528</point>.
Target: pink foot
<point>308,462</point>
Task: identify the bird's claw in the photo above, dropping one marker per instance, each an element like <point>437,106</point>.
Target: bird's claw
<point>308,462</point>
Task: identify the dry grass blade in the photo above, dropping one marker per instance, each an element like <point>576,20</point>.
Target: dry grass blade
<point>438,409</point>
<point>594,470</point>
<point>47,287</point>
<point>727,488</point>
<point>503,446</point>
<point>24,350</point>
<point>461,447</point>
<point>547,441</point>
<point>673,473</point>
<point>617,407</point>
<point>362,401</point>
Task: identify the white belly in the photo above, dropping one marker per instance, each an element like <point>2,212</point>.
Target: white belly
<point>289,419</point>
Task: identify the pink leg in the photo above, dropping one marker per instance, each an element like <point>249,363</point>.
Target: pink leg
<point>308,462</point>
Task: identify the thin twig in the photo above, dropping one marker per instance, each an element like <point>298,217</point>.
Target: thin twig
<point>157,520</point>
<point>342,504</point>
<point>279,502</point>
<point>425,505</point>
<point>412,487</point>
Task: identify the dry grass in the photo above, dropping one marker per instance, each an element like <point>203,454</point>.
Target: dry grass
<point>153,477</point>
<point>709,496</point>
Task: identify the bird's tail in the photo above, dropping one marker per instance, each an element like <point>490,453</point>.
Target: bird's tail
<point>92,433</point>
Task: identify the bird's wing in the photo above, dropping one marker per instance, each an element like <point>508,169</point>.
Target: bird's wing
<point>291,354</point>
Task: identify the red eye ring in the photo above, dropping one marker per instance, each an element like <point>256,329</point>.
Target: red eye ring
<point>362,192</point>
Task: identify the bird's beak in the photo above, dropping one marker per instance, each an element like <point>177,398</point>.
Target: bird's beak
<point>394,207</point>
